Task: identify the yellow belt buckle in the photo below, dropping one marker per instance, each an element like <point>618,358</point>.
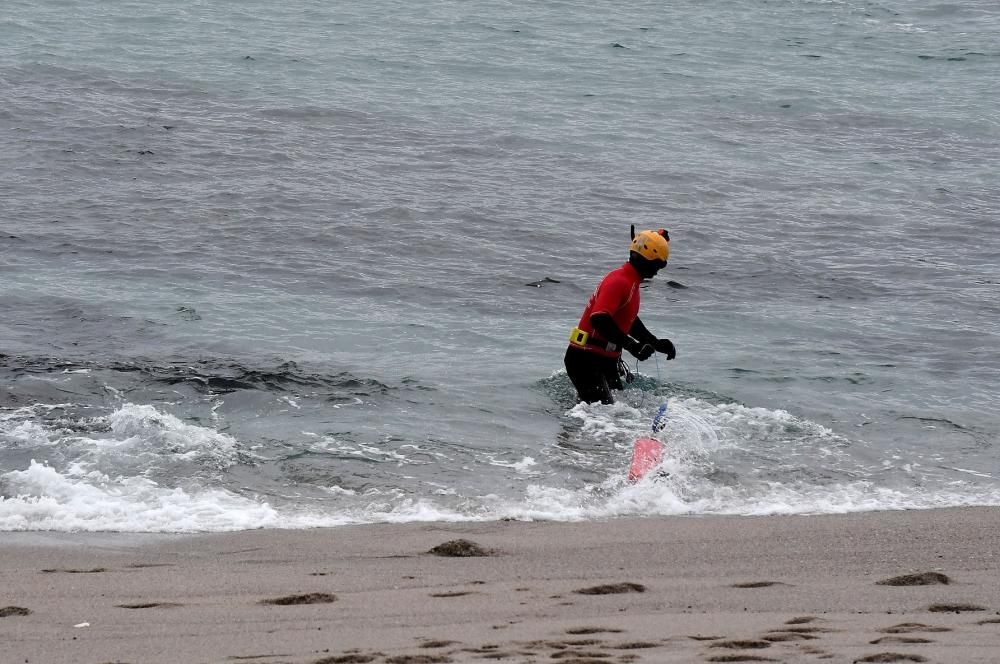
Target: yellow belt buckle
<point>578,337</point>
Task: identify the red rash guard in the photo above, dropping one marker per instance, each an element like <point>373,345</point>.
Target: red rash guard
<point>618,296</point>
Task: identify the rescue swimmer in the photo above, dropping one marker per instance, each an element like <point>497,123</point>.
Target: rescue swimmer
<point>611,323</point>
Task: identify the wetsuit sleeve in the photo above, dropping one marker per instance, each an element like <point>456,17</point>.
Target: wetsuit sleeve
<point>640,332</point>
<point>605,325</point>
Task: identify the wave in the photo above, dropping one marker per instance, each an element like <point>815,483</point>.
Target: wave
<point>138,468</point>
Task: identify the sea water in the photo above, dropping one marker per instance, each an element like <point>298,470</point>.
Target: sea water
<point>308,263</point>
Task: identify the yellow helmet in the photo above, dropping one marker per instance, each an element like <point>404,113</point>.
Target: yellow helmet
<point>651,245</point>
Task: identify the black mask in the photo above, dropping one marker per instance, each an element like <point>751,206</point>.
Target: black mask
<point>646,268</point>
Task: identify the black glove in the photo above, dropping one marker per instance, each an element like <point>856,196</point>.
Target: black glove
<point>638,350</point>
<point>666,347</point>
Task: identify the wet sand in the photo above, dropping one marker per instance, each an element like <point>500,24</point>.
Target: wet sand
<point>676,589</point>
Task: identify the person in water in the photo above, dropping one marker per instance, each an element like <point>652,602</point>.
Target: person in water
<point>610,323</point>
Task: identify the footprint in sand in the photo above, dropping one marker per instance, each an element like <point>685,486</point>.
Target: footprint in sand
<point>572,656</point>
<point>594,630</point>
<point>795,629</point>
<point>634,645</point>
<point>485,649</point>
<point>906,628</point>
<point>418,659</point>
<point>902,640</point>
<point>781,636</point>
<point>758,584</point>
<point>398,659</point>
<point>800,629</point>
<point>954,608</point>
<point>149,605</point>
<point>742,644</point>
<point>576,642</point>
<point>349,658</point>
<point>309,598</point>
<point>814,650</point>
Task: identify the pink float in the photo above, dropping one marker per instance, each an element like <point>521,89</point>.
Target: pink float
<point>646,455</point>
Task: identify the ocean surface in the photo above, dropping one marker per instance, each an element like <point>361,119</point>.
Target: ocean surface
<point>314,263</point>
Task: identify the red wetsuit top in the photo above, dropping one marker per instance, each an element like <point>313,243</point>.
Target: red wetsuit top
<point>618,296</point>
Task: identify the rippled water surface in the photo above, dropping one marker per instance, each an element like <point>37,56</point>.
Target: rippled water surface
<point>295,264</point>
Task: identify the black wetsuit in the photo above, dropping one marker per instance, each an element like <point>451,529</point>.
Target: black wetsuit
<point>593,375</point>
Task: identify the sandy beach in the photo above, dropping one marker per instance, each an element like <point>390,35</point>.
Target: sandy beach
<point>678,589</point>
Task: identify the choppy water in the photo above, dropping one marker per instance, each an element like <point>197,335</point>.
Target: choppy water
<point>265,264</point>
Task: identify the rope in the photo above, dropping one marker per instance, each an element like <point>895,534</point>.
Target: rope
<point>659,379</point>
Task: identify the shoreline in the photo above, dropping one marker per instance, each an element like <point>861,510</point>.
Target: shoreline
<point>655,589</point>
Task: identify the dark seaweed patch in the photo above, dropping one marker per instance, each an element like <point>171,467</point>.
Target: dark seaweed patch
<point>460,548</point>
<point>14,611</point>
<point>921,579</point>
<point>891,657</point>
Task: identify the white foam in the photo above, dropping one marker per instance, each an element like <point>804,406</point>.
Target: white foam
<point>20,428</point>
<point>40,498</point>
<point>341,491</point>
<point>605,423</point>
<point>145,429</point>
<point>29,433</point>
<point>524,465</point>
<point>694,478</point>
<point>697,433</point>
<point>660,497</point>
